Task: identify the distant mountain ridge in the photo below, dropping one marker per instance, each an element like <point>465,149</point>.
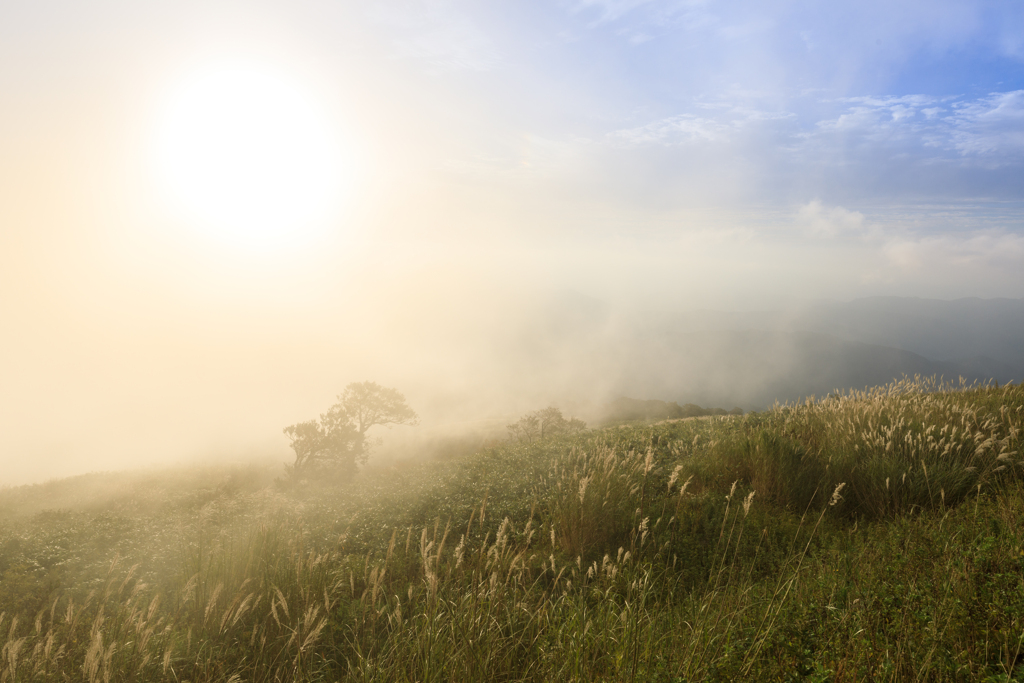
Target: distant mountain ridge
<point>755,368</point>
<point>753,359</point>
<point>988,331</point>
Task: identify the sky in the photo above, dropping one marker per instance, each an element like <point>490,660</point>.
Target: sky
<point>462,160</point>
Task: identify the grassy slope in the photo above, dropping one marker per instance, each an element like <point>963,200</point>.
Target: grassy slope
<point>868,537</point>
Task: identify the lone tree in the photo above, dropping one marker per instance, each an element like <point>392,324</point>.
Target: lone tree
<point>541,424</point>
<point>336,443</point>
<point>366,404</point>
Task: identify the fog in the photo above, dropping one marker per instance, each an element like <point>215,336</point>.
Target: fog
<point>97,393</point>
<point>541,204</point>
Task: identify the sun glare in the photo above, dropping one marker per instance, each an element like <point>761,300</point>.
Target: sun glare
<point>248,158</point>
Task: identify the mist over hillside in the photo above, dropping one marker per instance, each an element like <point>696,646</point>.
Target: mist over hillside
<point>965,331</point>
<point>752,359</point>
<point>471,361</point>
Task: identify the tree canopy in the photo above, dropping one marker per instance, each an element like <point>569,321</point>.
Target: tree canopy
<point>541,424</point>
<point>366,404</point>
<point>336,443</point>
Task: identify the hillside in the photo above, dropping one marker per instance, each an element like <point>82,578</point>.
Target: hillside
<point>867,536</point>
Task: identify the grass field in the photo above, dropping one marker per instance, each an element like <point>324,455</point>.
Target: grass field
<point>868,536</point>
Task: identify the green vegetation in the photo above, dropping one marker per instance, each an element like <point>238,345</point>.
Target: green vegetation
<point>543,424</point>
<point>869,536</point>
<point>335,445</point>
<point>630,409</point>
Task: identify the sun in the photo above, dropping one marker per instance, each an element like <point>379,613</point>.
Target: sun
<point>247,157</point>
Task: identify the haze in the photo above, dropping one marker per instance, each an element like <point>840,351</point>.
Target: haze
<point>516,204</point>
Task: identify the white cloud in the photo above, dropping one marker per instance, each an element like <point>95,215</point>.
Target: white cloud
<point>881,119</point>
<point>638,38</point>
<point>989,128</point>
<point>817,220</point>
<point>674,130</point>
<point>649,14</point>
<point>992,126</point>
<point>970,254</point>
<point>688,128</point>
<point>438,35</point>
<point>608,10</point>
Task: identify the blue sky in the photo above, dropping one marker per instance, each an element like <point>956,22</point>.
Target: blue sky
<point>876,103</point>
<point>883,138</point>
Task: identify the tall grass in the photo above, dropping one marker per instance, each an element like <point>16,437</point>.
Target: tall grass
<point>913,444</point>
<point>866,536</point>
